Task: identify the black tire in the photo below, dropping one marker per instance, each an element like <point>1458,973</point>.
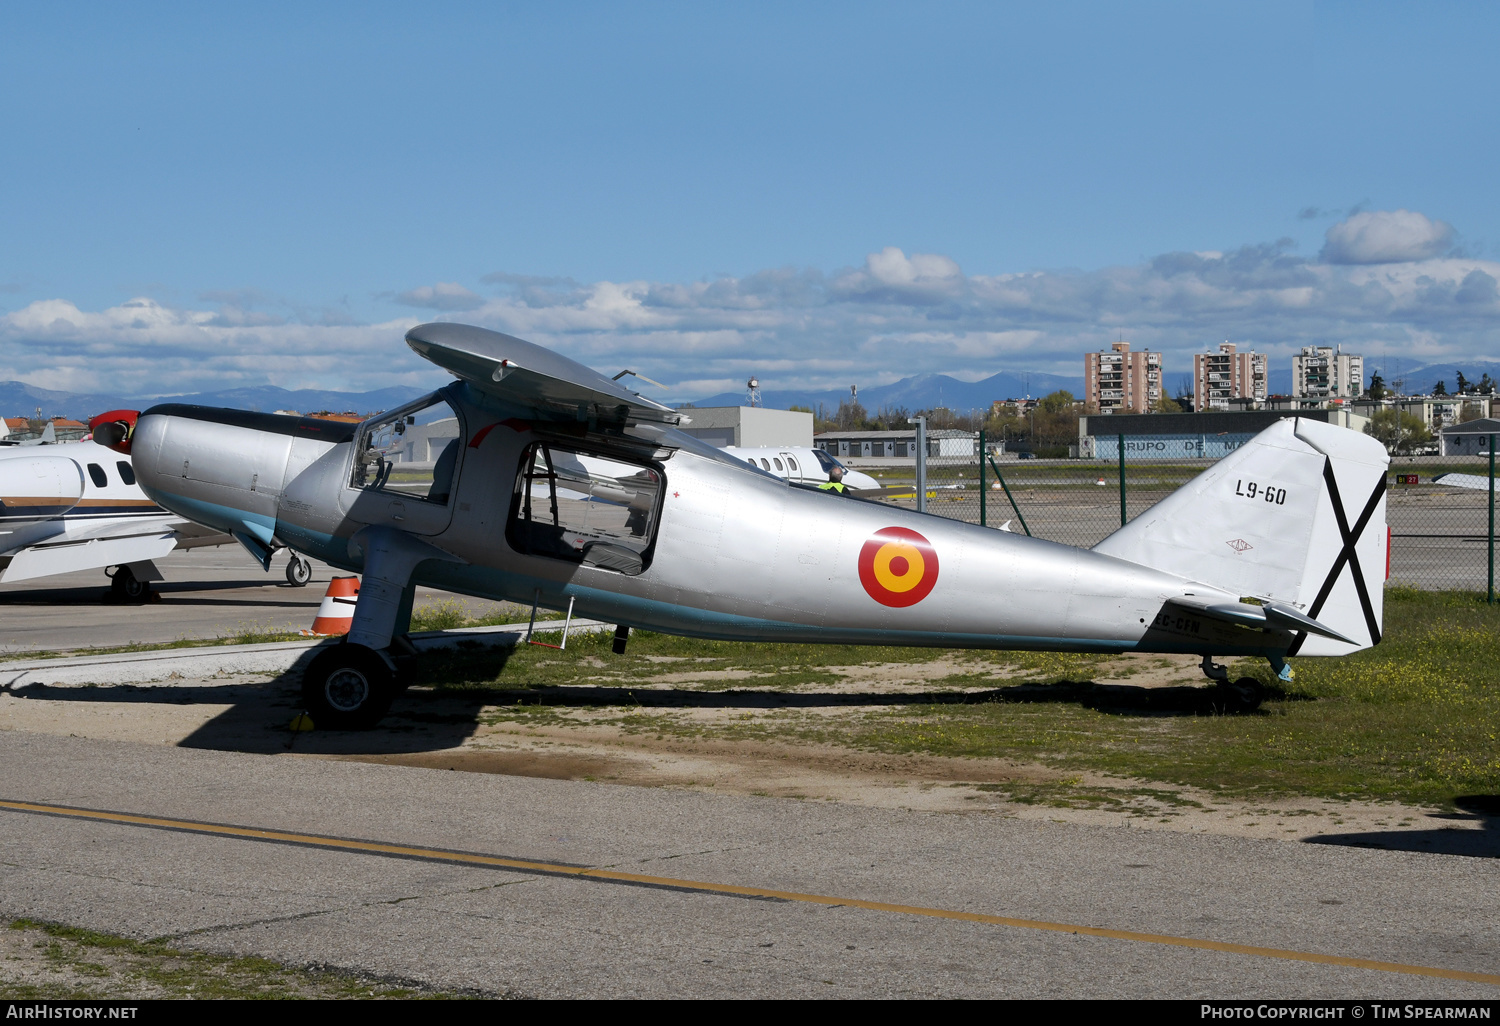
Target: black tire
<point>347,687</point>
<point>298,571</point>
<point>1243,696</point>
<point>127,587</point>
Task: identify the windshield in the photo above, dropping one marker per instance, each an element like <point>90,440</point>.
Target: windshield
<point>411,451</point>
<point>826,461</point>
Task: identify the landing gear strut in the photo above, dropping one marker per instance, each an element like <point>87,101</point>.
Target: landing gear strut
<point>350,685</point>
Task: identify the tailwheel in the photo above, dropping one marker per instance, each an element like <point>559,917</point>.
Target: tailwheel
<point>298,571</point>
<point>1241,696</point>
<point>348,687</point>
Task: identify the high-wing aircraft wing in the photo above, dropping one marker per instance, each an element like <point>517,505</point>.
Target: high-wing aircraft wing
<point>528,375</point>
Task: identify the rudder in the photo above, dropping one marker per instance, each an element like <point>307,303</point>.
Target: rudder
<point>1296,515</point>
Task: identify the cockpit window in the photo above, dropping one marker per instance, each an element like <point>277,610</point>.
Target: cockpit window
<point>412,451</point>
<point>825,461</point>
<point>589,509</point>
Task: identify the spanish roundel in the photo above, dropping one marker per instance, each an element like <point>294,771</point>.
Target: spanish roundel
<point>898,567</point>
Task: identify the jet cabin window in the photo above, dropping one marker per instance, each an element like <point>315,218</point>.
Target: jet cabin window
<point>410,452</point>
<point>594,510</point>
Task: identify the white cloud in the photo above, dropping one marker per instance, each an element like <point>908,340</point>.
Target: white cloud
<point>445,295</point>
<point>894,315</point>
<point>1386,237</point>
<point>143,347</point>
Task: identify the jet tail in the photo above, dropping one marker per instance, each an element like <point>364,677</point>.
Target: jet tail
<point>1294,518</point>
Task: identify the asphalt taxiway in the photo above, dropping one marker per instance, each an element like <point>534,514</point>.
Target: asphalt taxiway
<point>233,840</point>
<point>208,592</point>
<point>574,888</point>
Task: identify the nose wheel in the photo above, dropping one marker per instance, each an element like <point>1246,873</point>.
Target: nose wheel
<point>298,571</point>
<point>348,687</point>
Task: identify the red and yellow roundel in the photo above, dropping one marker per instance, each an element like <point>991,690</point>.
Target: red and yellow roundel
<point>898,567</point>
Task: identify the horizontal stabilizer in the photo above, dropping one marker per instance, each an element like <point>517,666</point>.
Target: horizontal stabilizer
<point>1274,617</point>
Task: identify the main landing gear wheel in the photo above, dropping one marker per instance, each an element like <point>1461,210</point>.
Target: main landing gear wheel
<point>127,587</point>
<point>298,571</point>
<point>348,687</point>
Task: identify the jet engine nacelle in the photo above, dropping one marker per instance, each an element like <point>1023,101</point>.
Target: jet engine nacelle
<point>114,429</point>
<point>40,486</point>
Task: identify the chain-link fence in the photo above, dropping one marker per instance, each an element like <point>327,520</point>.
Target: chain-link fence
<point>1442,534</point>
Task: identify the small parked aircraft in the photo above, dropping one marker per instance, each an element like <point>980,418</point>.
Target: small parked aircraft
<point>802,466</point>
<point>563,488</point>
<point>76,506</point>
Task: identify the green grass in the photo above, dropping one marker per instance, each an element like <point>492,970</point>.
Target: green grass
<point>447,614</point>
<point>86,964</point>
<point>589,660</point>
<point>1415,719</point>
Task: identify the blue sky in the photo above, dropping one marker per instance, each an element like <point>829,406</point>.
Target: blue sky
<point>199,196</point>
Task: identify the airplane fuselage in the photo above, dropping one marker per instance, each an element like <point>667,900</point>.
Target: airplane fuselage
<point>707,547</point>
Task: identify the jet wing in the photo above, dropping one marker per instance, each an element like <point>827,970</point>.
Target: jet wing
<point>1478,482</point>
<point>525,374</point>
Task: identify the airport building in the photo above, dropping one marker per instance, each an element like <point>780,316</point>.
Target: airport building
<point>748,427</point>
<point>1436,412</point>
<point>1119,381</point>
<point>900,445</point>
<point>1471,439</point>
<point>1323,372</point>
<point>1225,376</point>
<point>1179,436</point>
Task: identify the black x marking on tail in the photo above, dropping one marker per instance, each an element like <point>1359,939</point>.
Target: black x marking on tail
<point>1347,556</point>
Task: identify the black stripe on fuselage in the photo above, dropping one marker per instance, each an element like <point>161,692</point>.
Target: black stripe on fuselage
<point>11,513</point>
<point>298,427</point>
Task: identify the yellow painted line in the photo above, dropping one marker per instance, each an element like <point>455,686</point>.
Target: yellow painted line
<point>615,876</point>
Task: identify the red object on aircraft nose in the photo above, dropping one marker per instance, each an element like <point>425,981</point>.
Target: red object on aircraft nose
<point>113,429</point>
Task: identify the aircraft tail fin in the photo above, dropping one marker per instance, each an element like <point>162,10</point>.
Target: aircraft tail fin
<point>1294,517</point>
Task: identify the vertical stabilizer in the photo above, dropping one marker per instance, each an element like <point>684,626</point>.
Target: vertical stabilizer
<point>1295,515</point>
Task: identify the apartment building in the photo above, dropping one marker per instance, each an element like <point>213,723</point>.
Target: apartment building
<point>1119,381</point>
<point>1323,372</point>
<point>1219,378</point>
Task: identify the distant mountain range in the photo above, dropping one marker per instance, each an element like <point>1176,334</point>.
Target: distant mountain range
<point>921,392</point>
<point>18,399</point>
<point>926,391</point>
<point>1422,380</point>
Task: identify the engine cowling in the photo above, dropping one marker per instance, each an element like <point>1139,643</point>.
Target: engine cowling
<point>39,486</point>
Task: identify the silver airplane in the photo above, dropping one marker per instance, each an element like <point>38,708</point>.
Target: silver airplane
<point>562,488</point>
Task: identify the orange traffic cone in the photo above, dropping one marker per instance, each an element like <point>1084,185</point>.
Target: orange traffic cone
<point>337,611</point>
